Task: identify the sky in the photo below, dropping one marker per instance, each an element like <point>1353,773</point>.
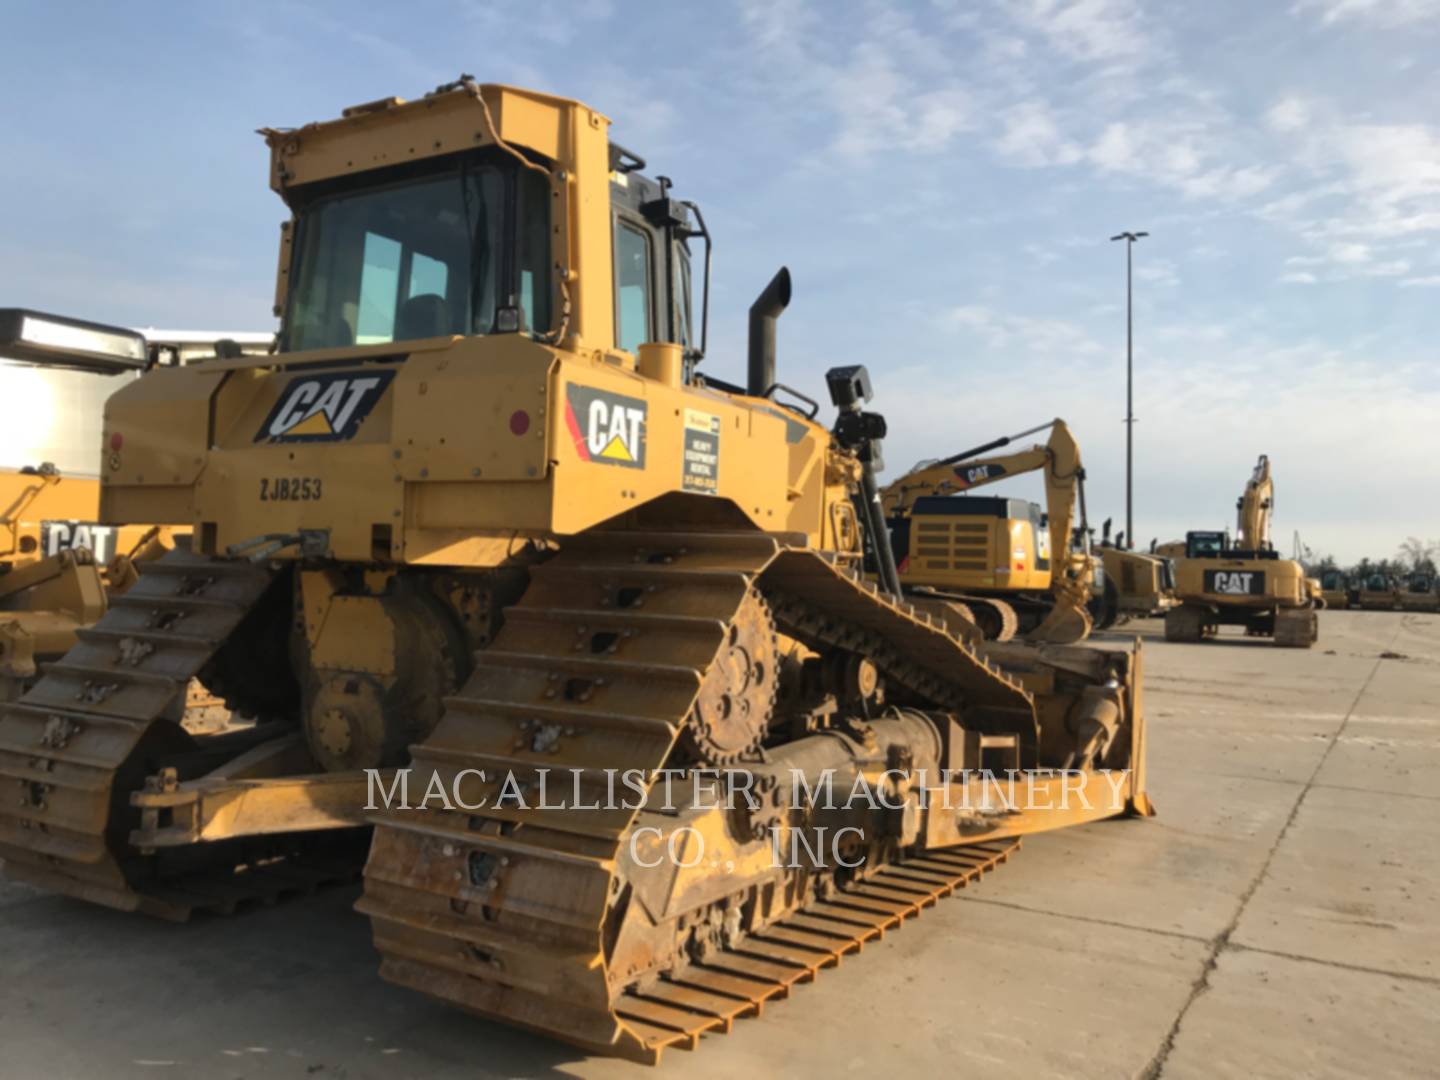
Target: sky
<point>942,178</point>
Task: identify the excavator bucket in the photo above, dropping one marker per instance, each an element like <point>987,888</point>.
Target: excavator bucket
<point>1064,625</point>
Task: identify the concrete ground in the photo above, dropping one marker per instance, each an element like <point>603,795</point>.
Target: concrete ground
<point>1280,917</point>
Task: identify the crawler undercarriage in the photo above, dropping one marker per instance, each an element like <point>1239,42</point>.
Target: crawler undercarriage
<point>622,918</point>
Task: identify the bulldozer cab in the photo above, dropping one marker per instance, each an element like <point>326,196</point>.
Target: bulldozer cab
<point>452,245</point>
<point>460,244</point>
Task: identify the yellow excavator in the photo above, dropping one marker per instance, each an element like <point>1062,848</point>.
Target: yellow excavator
<point>999,554</point>
<point>581,630</point>
<point>1246,584</point>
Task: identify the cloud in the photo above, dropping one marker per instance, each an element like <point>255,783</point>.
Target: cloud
<point>1344,261</point>
<point>1289,114</point>
<point>1049,337</point>
<point>1298,277</point>
<point>889,86</point>
<point>1385,14</point>
<point>1159,272</point>
<point>1179,153</point>
<point>1032,137</point>
<point>1087,30</point>
<point>1360,192</point>
<point>1430,281</point>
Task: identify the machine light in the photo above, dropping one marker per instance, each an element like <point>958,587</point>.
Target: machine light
<point>62,342</point>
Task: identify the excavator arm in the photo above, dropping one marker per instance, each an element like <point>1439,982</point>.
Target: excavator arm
<point>1059,460</point>
<point>1253,508</point>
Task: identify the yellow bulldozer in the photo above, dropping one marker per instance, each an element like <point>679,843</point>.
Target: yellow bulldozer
<point>1144,582</point>
<point>1246,584</point>
<point>997,556</point>
<point>1419,592</point>
<point>1336,590</point>
<point>585,628</point>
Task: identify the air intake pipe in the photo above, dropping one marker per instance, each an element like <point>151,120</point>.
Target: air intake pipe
<point>764,313</point>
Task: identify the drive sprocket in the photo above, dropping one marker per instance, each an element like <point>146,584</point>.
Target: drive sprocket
<point>737,697</point>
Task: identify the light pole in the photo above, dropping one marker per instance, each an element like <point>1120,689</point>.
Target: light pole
<point>1129,238</point>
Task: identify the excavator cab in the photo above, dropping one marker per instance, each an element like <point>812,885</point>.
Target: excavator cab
<point>1206,545</point>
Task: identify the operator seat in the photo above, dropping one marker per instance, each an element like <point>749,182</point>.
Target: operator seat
<point>423,316</point>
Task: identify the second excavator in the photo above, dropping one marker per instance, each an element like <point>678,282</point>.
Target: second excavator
<point>1008,563</point>
<point>1246,584</point>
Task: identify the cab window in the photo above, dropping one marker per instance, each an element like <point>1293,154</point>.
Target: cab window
<point>682,297</point>
<point>632,288</point>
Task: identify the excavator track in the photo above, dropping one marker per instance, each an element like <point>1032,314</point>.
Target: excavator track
<point>501,910</point>
<point>996,619</point>
<point>999,620</point>
<point>100,720</point>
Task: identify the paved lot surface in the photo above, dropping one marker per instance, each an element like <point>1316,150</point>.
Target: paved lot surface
<point>1280,917</point>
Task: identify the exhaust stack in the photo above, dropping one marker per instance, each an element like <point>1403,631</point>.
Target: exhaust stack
<point>764,313</point>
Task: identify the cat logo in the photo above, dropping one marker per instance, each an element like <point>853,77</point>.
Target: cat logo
<point>1235,582</point>
<point>970,475</point>
<point>58,536</point>
<point>607,429</point>
<point>324,408</point>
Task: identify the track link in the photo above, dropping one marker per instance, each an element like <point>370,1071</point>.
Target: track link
<point>86,735</point>
<point>501,911</point>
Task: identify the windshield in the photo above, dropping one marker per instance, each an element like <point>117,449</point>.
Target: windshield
<point>1332,579</point>
<point>1377,583</point>
<point>422,257</point>
<point>1203,545</point>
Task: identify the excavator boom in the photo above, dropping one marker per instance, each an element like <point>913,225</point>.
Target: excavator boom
<point>1253,508</point>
